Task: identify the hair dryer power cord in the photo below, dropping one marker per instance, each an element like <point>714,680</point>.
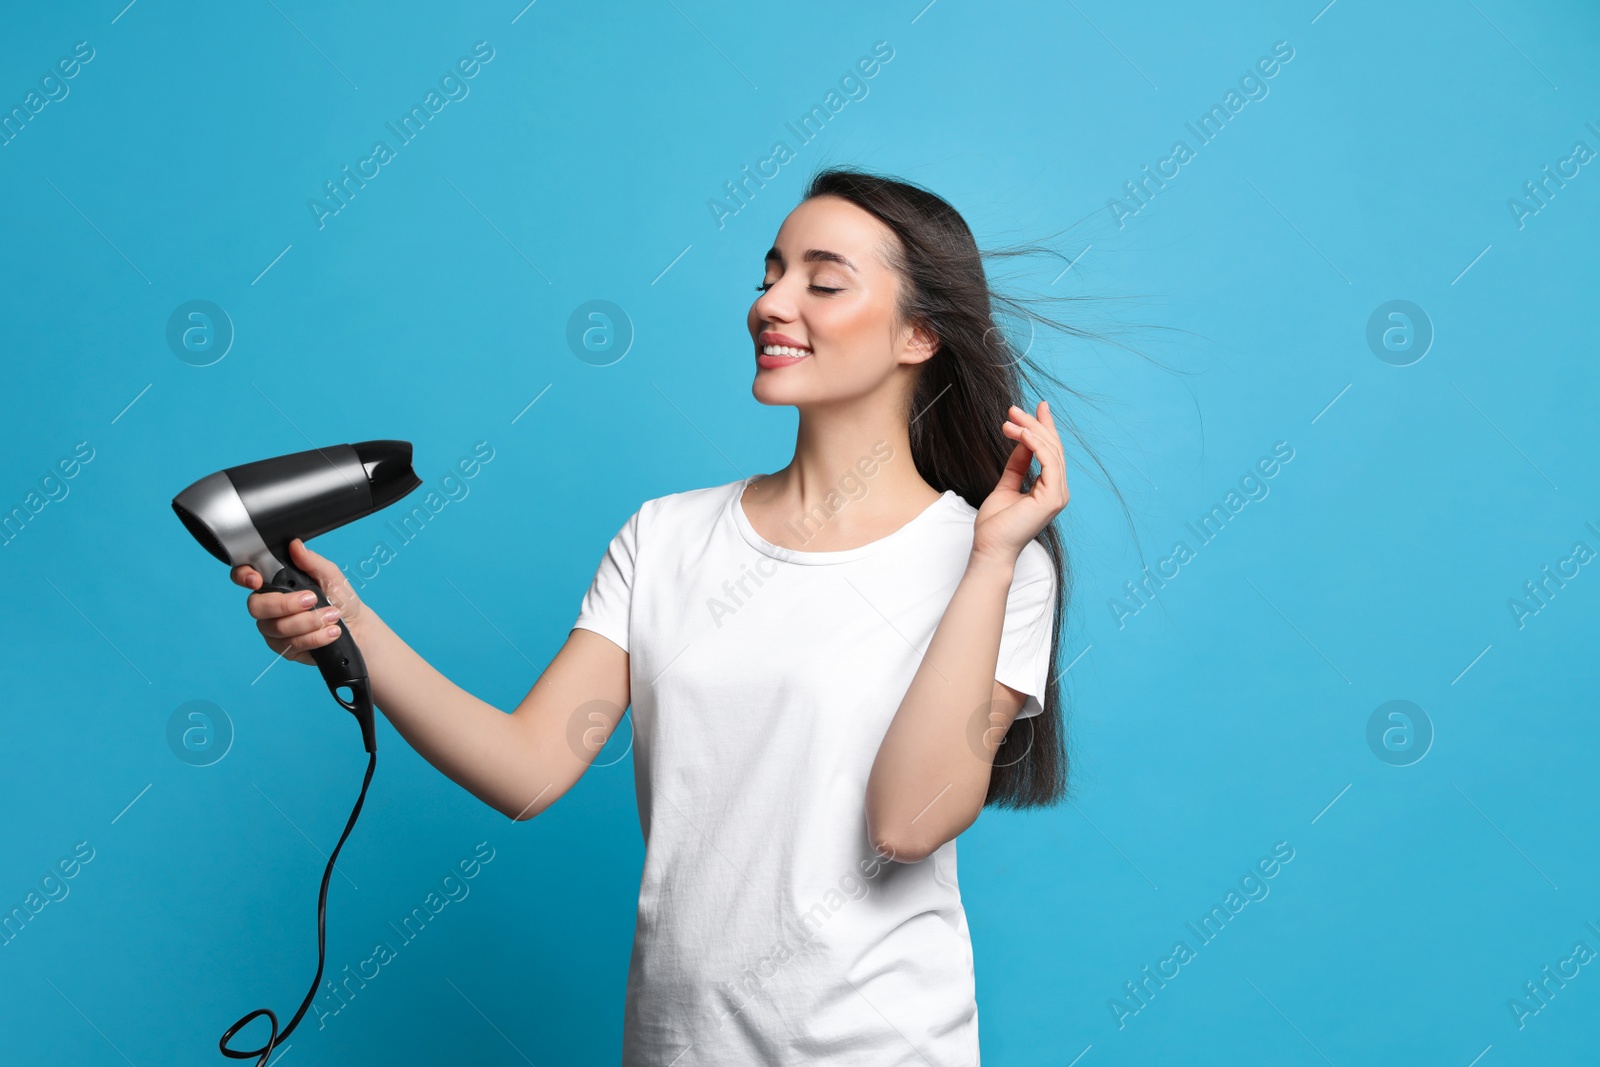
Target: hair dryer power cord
<point>265,1051</point>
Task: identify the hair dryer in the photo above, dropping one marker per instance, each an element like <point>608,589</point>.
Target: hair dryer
<point>248,515</point>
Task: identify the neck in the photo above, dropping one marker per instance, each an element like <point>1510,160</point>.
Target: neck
<point>851,460</point>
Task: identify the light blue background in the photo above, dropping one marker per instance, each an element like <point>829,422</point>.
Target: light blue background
<point>1228,716</point>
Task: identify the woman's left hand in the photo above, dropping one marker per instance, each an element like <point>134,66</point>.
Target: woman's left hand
<point>1010,518</point>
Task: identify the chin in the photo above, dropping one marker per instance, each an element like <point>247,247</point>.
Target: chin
<point>781,386</point>
<point>769,392</point>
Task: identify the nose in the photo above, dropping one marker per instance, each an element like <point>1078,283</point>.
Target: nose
<point>768,316</point>
<point>773,307</point>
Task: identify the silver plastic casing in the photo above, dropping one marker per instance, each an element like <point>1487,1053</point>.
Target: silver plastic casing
<point>214,504</point>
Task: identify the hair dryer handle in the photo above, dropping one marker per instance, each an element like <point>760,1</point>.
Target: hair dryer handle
<point>341,663</point>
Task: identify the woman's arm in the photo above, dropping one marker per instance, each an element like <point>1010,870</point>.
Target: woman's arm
<point>518,764</point>
<point>931,775</point>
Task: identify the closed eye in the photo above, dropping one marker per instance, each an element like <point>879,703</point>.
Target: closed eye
<point>764,286</point>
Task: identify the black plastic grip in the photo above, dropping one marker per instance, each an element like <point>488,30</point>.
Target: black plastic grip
<point>341,663</point>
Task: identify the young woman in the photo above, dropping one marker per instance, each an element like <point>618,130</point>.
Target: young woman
<point>825,663</point>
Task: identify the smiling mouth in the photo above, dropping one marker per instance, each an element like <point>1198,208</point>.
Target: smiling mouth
<point>783,351</point>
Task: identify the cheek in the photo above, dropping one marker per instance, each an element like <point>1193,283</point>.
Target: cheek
<point>856,334</point>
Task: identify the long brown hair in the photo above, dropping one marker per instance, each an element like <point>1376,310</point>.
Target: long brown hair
<point>962,398</point>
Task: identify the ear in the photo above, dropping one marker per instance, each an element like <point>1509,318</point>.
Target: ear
<point>920,346</point>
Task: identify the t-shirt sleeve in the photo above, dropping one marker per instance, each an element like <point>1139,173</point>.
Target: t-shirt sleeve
<point>1025,645</point>
<point>605,607</point>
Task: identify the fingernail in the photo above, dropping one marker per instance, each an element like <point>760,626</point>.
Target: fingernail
<point>330,615</point>
<point>308,600</point>
<point>332,631</point>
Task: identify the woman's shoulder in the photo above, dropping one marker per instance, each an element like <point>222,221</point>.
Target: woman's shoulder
<point>688,506</point>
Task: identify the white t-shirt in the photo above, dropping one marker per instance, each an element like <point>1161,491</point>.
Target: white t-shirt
<point>763,680</point>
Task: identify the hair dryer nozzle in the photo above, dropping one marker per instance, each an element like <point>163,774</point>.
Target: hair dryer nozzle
<point>388,467</point>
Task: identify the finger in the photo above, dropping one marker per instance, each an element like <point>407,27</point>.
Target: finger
<point>326,574</point>
<point>1041,422</point>
<point>1044,436</point>
<point>1026,437</point>
<point>1045,414</point>
<point>305,643</point>
<point>277,605</point>
<point>1017,464</point>
<point>1014,430</point>
<point>324,570</point>
<point>1025,419</point>
<point>299,624</point>
<point>245,575</point>
<point>1046,450</point>
<point>284,651</point>
<point>1050,487</point>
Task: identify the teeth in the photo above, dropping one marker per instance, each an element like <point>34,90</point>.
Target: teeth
<point>784,350</point>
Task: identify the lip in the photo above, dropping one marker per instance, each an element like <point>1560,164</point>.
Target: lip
<point>766,362</point>
<point>768,337</point>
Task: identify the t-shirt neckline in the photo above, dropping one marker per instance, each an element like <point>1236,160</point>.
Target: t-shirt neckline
<point>843,555</point>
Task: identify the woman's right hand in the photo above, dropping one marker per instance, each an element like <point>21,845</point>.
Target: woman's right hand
<point>290,623</point>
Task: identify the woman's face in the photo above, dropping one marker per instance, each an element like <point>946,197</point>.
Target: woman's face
<point>830,295</point>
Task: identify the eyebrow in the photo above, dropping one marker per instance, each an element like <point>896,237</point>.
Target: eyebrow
<point>812,255</point>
